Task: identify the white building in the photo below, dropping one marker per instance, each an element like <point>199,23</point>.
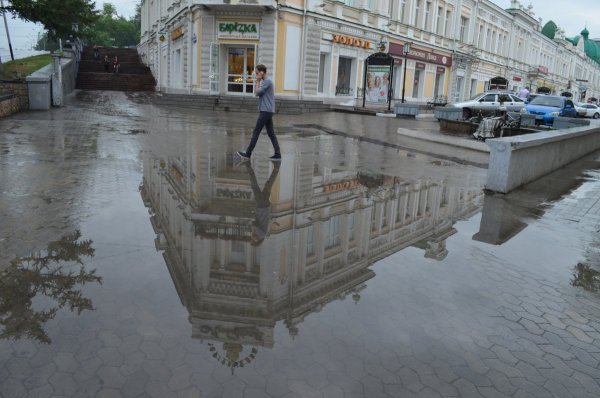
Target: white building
<point>315,49</point>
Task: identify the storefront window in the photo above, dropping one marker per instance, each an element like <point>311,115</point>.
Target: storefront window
<point>415,92</point>
<point>343,77</point>
<point>240,70</point>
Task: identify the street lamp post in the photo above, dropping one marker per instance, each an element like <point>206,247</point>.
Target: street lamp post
<point>405,50</point>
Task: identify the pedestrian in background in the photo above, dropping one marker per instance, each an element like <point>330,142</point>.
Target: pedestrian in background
<point>524,94</point>
<point>116,64</point>
<point>266,106</point>
<point>106,63</point>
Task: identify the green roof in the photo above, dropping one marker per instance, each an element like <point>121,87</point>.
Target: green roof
<point>549,30</point>
<point>592,48</point>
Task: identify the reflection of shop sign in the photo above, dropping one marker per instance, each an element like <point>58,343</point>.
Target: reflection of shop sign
<point>517,78</point>
<point>347,40</point>
<point>420,55</point>
<point>238,30</point>
<point>177,33</point>
<point>233,194</point>
<point>339,186</point>
<point>162,36</point>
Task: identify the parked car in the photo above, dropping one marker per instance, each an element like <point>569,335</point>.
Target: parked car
<point>547,107</point>
<point>588,110</point>
<point>489,102</point>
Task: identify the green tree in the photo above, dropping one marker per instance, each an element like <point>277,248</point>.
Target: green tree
<point>46,43</point>
<point>51,277</point>
<point>112,30</point>
<point>57,16</point>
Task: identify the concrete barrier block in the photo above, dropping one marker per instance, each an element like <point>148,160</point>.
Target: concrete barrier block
<point>448,113</point>
<point>569,122</point>
<point>406,109</point>
<point>515,161</point>
<point>527,120</point>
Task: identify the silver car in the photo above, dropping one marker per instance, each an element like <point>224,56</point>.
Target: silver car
<point>588,110</point>
<point>488,103</point>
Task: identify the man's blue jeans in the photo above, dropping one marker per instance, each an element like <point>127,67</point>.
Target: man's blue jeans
<point>264,119</point>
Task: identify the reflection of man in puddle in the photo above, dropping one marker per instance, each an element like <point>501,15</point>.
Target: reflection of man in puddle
<point>262,216</point>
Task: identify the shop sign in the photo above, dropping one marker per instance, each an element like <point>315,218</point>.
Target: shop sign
<point>162,36</point>
<point>517,78</point>
<point>440,69</point>
<point>340,186</point>
<point>347,40</point>
<point>420,55</point>
<point>177,33</point>
<point>543,70</point>
<point>238,30</point>
<point>419,65</point>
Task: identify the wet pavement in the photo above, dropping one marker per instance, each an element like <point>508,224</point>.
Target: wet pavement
<point>139,258</point>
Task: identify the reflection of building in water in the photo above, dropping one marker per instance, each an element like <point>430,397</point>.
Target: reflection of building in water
<point>329,224</point>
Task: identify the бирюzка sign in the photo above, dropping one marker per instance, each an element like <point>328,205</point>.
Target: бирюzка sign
<point>238,30</point>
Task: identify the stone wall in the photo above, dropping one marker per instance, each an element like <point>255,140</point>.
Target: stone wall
<point>18,101</point>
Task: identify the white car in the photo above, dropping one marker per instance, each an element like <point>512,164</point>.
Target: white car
<point>488,103</point>
<point>588,110</point>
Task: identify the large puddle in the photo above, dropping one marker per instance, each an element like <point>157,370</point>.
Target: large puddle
<point>158,264</point>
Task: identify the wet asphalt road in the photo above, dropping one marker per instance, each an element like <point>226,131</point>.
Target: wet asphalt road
<point>135,261</point>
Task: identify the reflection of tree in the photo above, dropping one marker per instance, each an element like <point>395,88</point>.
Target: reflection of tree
<point>48,274</point>
<point>586,277</point>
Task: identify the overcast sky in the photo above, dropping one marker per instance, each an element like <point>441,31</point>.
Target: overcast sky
<point>23,35</point>
<point>572,16</point>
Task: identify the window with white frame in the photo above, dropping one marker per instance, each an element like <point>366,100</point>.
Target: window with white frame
<point>351,227</point>
<point>447,23</point>
<point>427,15</point>
<point>464,21</point>
<point>417,10</point>
<point>403,11</point>
<point>310,245</point>
<point>332,232</point>
<point>480,37</point>
<point>349,2</point>
<point>438,21</point>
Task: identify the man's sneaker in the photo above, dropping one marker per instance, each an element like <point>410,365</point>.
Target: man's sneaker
<point>243,155</point>
<point>275,158</point>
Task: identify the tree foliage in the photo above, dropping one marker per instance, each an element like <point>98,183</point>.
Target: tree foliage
<point>34,288</point>
<point>108,30</point>
<point>112,30</point>
<point>57,16</point>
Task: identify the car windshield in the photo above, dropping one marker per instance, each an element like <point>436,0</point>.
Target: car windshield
<point>547,101</point>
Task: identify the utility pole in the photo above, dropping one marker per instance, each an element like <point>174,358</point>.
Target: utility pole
<point>12,56</point>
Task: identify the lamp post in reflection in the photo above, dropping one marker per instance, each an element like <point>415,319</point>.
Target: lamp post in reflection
<point>405,50</point>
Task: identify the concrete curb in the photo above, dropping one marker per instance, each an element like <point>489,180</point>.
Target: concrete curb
<point>444,139</point>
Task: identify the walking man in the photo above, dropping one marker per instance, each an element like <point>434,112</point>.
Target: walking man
<point>266,105</point>
<point>523,94</point>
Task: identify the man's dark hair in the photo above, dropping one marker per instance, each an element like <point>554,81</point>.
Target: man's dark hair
<point>261,68</point>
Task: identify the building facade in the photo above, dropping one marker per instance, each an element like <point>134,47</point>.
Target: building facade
<point>315,49</point>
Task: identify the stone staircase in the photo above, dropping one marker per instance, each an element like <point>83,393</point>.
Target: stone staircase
<point>132,76</point>
<point>238,104</point>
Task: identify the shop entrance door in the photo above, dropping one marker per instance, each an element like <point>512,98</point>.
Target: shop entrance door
<point>240,70</point>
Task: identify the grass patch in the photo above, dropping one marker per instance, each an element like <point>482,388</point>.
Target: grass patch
<point>19,68</point>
